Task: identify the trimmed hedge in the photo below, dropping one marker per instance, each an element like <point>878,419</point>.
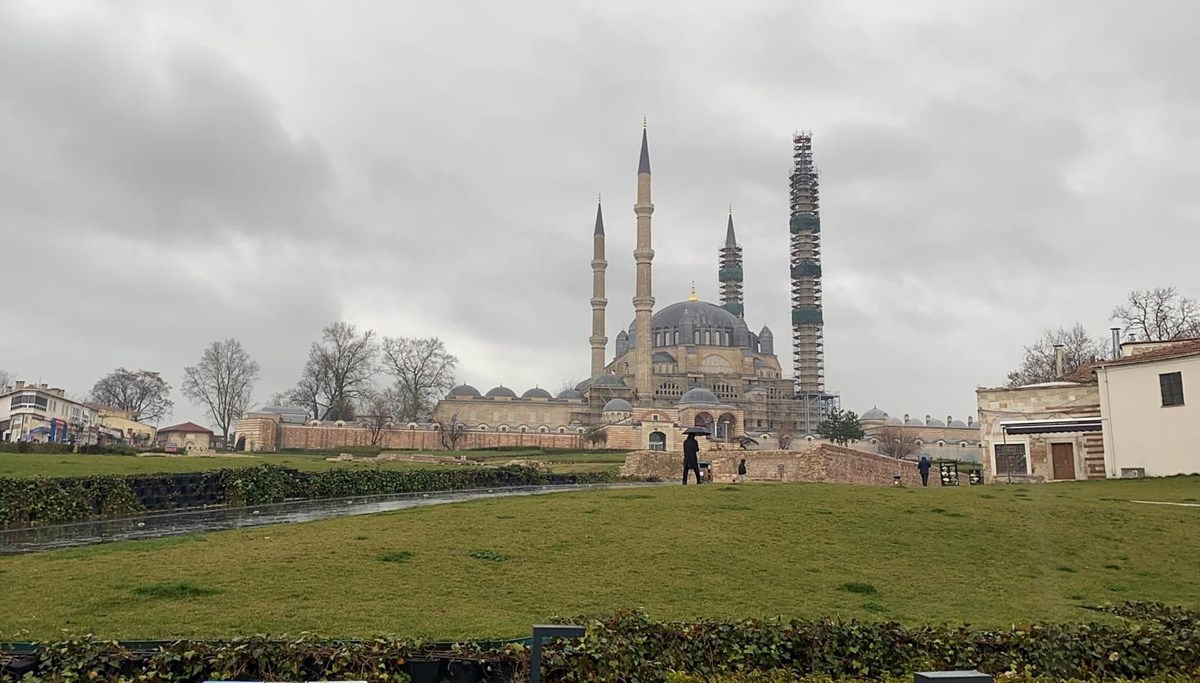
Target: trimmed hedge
<point>25,501</point>
<point>1154,642</point>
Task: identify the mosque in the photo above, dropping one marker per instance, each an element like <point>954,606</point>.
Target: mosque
<point>690,363</point>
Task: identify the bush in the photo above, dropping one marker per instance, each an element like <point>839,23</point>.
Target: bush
<point>1157,643</point>
<point>60,500</point>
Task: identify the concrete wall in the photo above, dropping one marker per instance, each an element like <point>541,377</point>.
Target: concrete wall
<point>1141,431</point>
<point>820,463</point>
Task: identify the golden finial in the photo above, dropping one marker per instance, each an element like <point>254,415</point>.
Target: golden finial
<point>693,296</point>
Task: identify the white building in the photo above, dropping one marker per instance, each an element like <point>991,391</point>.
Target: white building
<point>37,412</point>
<point>1151,428</point>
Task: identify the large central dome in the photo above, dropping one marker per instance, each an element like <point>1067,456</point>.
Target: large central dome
<point>695,322</point>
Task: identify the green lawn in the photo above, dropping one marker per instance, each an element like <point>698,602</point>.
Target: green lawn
<point>69,465</point>
<point>990,556</point>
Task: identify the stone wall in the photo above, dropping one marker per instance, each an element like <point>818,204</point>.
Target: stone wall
<point>267,435</point>
<point>821,462</point>
<point>1050,401</point>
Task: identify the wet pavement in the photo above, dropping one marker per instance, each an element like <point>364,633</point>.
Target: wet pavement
<point>180,523</point>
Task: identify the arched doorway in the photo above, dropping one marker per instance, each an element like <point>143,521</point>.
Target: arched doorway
<point>704,420</point>
<point>658,441</point>
<point>726,426</point>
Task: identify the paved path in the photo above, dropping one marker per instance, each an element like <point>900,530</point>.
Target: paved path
<point>1163,502</point>
<point>162,525</point>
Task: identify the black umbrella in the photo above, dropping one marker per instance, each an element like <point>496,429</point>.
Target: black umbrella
<point>697,430</point>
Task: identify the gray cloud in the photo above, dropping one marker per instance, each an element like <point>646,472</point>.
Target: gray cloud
<point>988,170</point>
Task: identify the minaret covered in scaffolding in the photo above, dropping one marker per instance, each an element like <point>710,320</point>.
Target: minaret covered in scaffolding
<point>730,274</point>
<point>808,352</point>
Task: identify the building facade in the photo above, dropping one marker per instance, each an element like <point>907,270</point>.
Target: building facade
<point>187,437</point>
<point>1151,427</point>
<point>44,414</point>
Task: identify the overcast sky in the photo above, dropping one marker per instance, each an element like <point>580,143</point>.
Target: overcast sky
<point>176,173</point>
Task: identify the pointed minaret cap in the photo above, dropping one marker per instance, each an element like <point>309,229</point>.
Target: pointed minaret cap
<point>730,240</point>
<point>599,219</point>
<point>644,162</point>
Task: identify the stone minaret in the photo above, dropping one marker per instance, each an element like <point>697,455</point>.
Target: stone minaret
<point>598,341</point>
<point>731,272</point>
<point>643,301</point>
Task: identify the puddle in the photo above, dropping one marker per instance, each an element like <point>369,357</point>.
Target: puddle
<point>166,524</point>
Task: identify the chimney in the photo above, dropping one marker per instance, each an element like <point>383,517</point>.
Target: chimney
<point>1116,349</point>
<point>1058,361</point>
<point>927,420</point>
<point>949,419</point>
<point>970,421</point>
<point>20,384</point>
<point>906,418</point>
<point>43,386</point>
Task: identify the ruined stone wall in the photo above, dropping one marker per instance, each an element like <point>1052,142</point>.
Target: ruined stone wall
<point>820,463</point>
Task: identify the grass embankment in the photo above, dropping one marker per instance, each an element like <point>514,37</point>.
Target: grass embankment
<point>70,465</point>
<point>990,556</point>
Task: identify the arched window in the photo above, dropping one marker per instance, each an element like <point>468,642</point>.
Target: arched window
<point>703,420</point>
<point>696,337</point>
<point>658,441</point>
<point>676,337</point>
<point>668,390</point>
<point>707,338</point>
<point>713,364</point>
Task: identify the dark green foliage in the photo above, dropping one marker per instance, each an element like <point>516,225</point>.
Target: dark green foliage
<point>1154,641</point>
<point>489,556</point>
<point>860,588</point>
<point>842,426</point>
<point>397,556</point>
<point>57,500</point>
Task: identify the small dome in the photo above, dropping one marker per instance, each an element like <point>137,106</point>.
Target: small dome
<point>569,393</point>
<point>618,405</point>
<point>662,357</point>
<point>934,422</point>
<point>911,422</point>
<point>957,424</point>
<point>607,381</point>
<point>463,391</point>
<point>501,391</point>
<point>536,393</point>
<point>894,421</point>
<point>755,389</point>
<point>874,414</point>
<point>699,396</point>
<point>582,386</point>
<point>761,364</point>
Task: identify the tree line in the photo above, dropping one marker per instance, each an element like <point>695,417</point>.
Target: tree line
<point>1151,315</point>
<point>349,375</point>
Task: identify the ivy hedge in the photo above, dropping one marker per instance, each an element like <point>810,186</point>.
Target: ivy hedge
<point>1152,642</point>
<point>26,501</point>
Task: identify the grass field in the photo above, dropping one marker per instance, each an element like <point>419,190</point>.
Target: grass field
<point>68,465</point>
<point>990,556</point>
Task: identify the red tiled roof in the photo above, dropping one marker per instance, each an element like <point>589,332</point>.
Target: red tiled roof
<point>189,427</point>
<point>1179,350</point>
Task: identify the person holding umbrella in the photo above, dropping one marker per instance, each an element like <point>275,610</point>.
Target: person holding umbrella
<point>691,453</point>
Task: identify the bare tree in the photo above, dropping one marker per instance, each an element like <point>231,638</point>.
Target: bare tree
<point>145,395</point>
<point>376,411</point>
<point>222,382</point>
<point>594,435</point>
<point>451,432</point>
<point>423,371</point>
<point>896,442</point>
<point>1159,314</point>
<point>339,369</point>
<point>1038,362</point>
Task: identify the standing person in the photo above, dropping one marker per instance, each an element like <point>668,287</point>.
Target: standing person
<point>742,471</point>
<point>923,467</point>
<point>691,458</point>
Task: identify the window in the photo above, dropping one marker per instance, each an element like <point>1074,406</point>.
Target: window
<point>29,401</point>
<point>1010,459</point>
<point>1171,384</point>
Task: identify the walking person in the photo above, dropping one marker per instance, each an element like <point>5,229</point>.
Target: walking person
<point>923,467</point>
<point>742,471</point>
<point>691,458</point>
